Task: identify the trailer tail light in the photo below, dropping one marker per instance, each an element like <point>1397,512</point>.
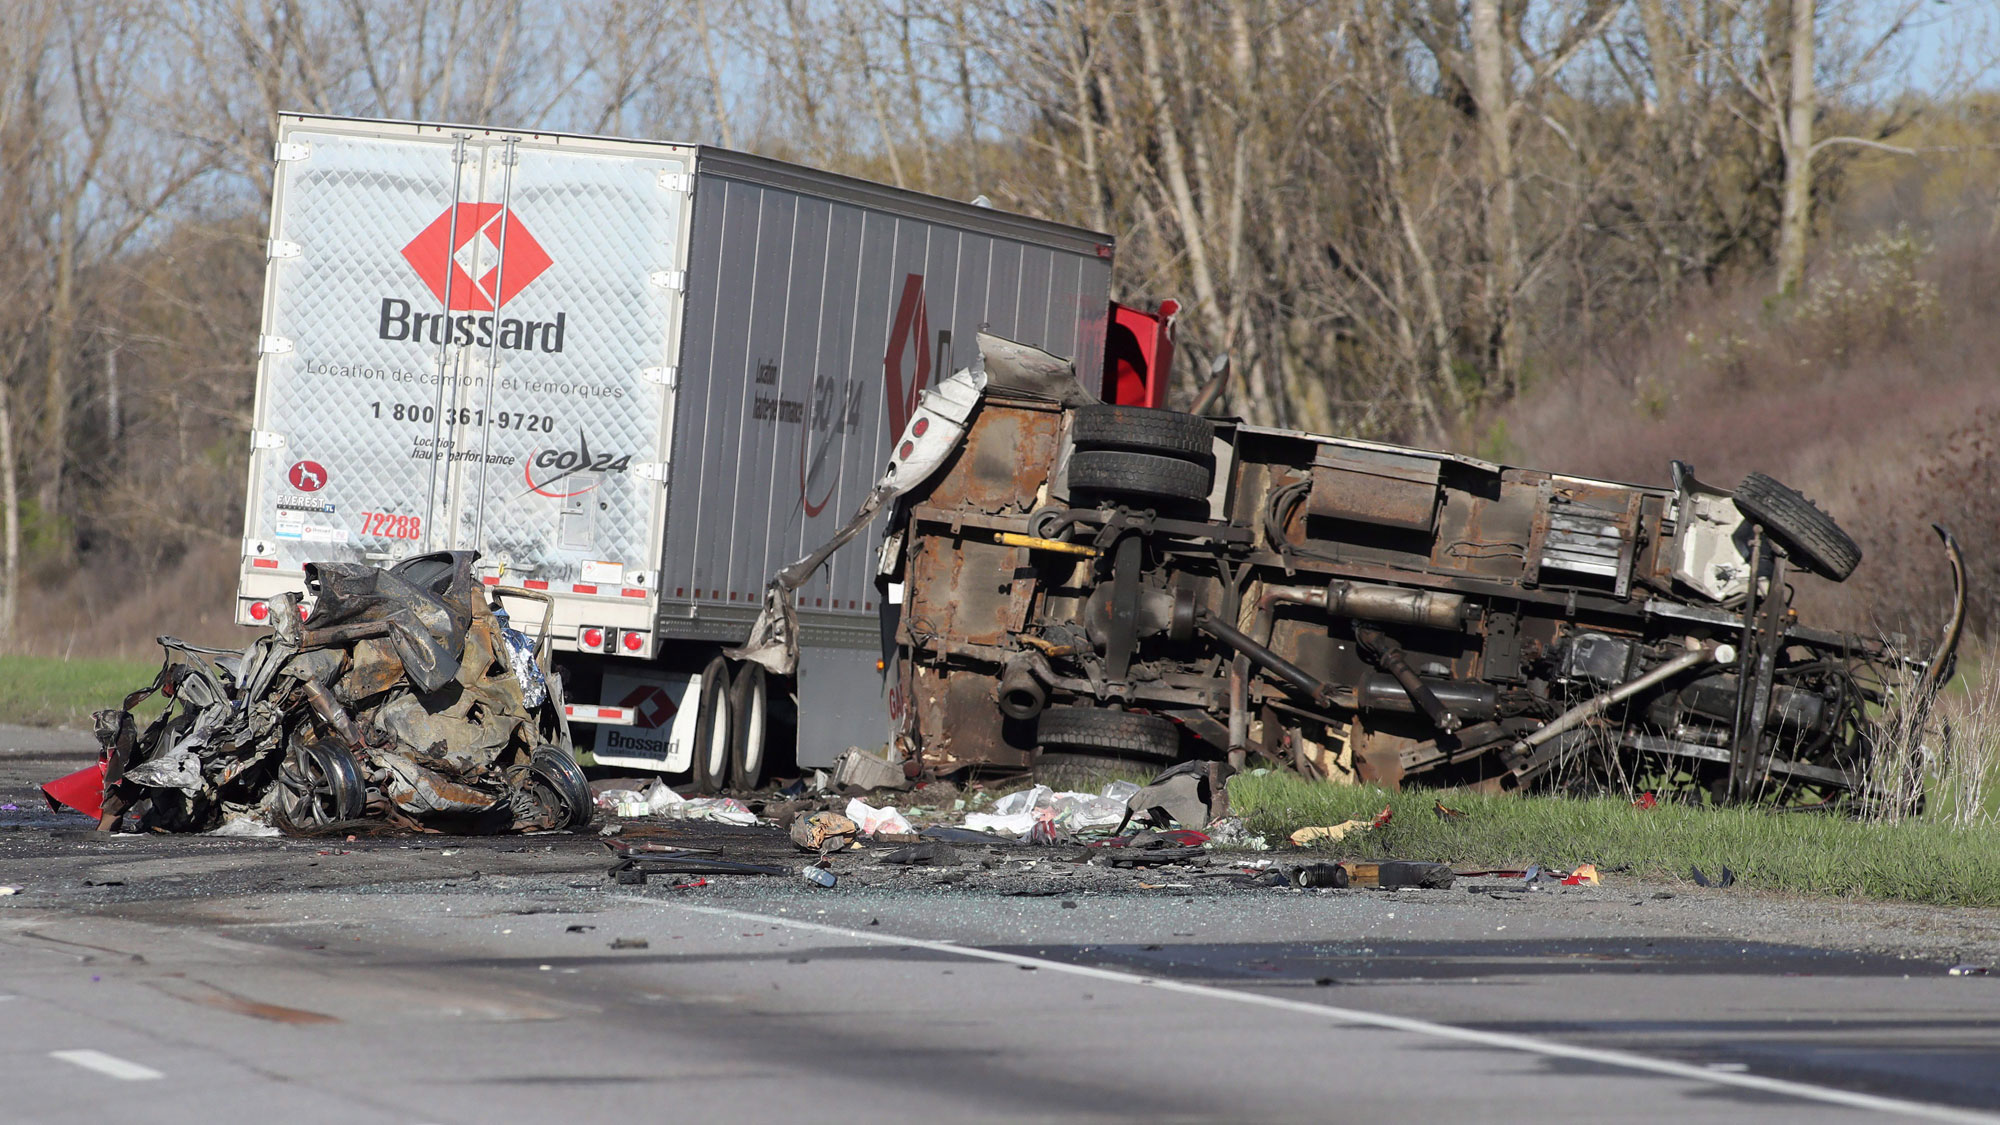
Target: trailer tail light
<point>590,636</point>
<point>259,610</point>
<point>633,640</point>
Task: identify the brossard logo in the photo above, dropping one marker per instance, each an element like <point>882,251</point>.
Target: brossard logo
<point>444,254</point>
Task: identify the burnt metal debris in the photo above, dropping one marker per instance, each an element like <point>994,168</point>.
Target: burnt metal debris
<point>1114,582</point>
<point>403,695</point>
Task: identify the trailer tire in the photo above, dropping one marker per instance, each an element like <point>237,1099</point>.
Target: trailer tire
<point>1096,729</point>
<point>1143,429</point>
<point>556,770</point>
<point>712,729</point>
<point>750,725</point>
<point>1117,472</point>
<point>1808,535</point>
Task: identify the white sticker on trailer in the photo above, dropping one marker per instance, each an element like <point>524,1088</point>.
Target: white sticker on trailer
<point>661,736</point>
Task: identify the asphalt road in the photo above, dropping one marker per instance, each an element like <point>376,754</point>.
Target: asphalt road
<point>507,979</point>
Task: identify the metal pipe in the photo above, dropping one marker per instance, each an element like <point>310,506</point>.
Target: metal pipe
<point>332,713</point>
<point>1700,654</point>
<point>1239,707</point>
<point>1364,601</point>
<point>1021,694</point>
<point>1393,605</point>
<point>1387,655</point>
<point>1319,691</point>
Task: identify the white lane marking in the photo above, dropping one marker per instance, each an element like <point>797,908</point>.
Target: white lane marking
<point>107,1064</point>
<point>1499,1040</point>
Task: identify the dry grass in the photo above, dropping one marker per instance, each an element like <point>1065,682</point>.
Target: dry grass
<point>1874,395</point>
<point>113,612</point>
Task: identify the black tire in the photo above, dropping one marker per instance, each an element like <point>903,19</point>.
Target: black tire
<point>557,771</point>
<point>749,724</point>
<point>712,728</point>
<point>1115,472</point>
<point>320,784</point>
<point>1144,430</point>
<point>1065,771</point>
<point>1120,732</point>
<point>1809,536</point>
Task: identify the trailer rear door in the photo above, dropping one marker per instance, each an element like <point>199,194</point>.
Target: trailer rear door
<point>468,344</point>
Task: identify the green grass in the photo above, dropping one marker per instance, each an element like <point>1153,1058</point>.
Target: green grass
<point>1916,861</point>
<point>42,691</point>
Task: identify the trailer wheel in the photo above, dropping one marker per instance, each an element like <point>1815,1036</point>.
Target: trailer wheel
<point>1808,535</point>
<point>711,729</point>
<point>1096,729</point>
<point>1116,472</point>
<point>556,771</point>
<point>750,721</point>
<point>1143,429</point>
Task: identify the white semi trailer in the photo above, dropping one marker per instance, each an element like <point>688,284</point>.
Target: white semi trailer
<point>638,376</point>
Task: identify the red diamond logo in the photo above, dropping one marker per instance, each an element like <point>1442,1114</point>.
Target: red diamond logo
<point>653,706</point>
<point>480,229</point>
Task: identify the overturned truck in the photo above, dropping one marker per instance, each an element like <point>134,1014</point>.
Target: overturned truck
<point>1086,580</point>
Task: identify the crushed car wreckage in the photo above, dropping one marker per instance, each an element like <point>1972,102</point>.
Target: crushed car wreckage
<point>1075,579</point>
<point>403,694</point>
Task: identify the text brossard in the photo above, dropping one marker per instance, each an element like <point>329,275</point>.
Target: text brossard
<point>400,322</point>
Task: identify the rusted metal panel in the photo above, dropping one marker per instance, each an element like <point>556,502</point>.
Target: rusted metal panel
<point>1374,487</point>
<point>1005,460</point>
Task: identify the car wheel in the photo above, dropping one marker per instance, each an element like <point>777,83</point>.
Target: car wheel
<point>711,729</point>
<point>750,722</point>
<point>319,784</point>
<point>1143,430</point>
<point>1148,475</point>
<point>1809,536</point>
<point>1096,729</point>
<point>567,787</point>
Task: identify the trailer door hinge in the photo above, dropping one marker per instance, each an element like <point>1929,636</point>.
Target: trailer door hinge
<point>676,181</point>
<point>670,279</point>
<point>651,470</point>
<point>291,150</point>
<point>273,345</point>
<point>266,439</point>
<point>280,248</point>
<point>668,377</point>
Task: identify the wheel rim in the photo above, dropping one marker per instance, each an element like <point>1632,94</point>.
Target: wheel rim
<point>310,799</point>
<point>717,750</point>
<point>754,724</point>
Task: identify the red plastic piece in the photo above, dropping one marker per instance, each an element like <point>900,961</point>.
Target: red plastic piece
<point>1139,354</point>
<point>82,791</point>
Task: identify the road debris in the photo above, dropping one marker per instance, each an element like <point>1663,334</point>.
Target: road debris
<point>1321,875</point>
<point>824,832</point>
<point>929,854</point>
<point>858,771</point>
<point>402,695</point>
<point>873,821</point>
<point>819,876</point>
<point>1330,833</point>
<point>1727,878</point>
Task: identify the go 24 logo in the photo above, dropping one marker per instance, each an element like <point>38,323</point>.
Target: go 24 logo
<point>561,473</point>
